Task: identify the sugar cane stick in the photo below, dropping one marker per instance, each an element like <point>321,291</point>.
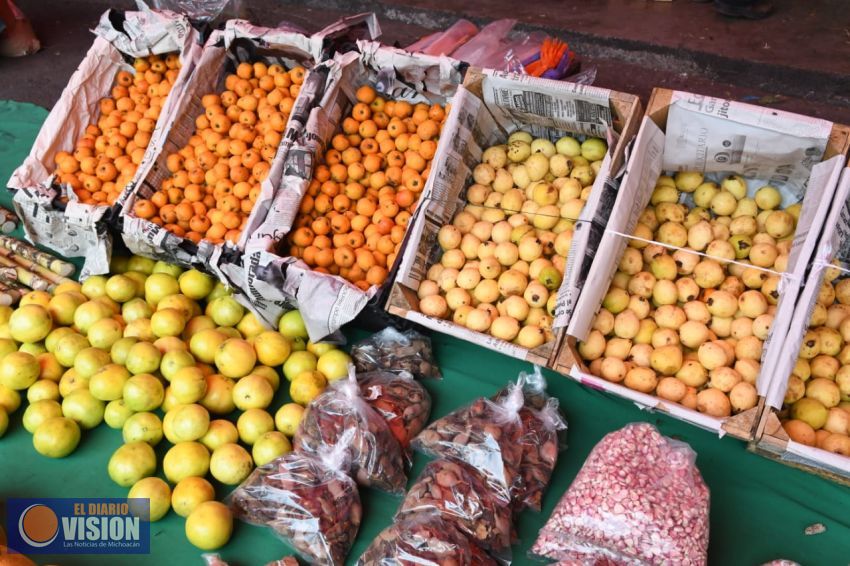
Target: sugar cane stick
<point>41,258</point>
<point>54,278</point>
<point>8,220</point>
<point>9,295</point>
<point>18,274</point>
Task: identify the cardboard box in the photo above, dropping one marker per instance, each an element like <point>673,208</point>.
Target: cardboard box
<point>71,228</point>
<point>771,439</point>
<point>488,108</point>
<point>683,131</point>
<point>269,281</point>
<point>239,41</point>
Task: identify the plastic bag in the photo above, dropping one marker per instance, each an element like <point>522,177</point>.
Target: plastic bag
<point>638,499</point>
<point>309,501</point>
<point>423,539</point>
<point>461,495</point>
<point>214,559</point>
<point>202,10</point>
<point>543,428</point>
<point>376,458</point>
<point>394,351</point>
<point>403,403</point>
<point>485,434</point>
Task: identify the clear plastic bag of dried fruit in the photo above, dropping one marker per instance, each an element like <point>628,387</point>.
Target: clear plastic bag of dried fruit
<point>395,351</point>
<point>638,499</point>
<point>309,501</point>
<point>402,401</point>
<point>462,496</point>
<point>376,456</point>
<point>423,539</point>
<point>485,434</point>
<point>543,436</point>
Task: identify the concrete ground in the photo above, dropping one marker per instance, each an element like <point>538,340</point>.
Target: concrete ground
<point>797,60</point>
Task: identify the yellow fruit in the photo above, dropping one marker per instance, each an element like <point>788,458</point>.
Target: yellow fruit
<point>195,285</point>
<point>188,385</point>
<point>272,348</point>
<point>167,322</point>
<point>230,464</point>
<point>158,286</point>
<point>41,298</point>
<point>334,364</point>
<point>210,525</point>
<point>225,311</point>
<point>307,386</point>
<point>186,459</point>
<point>56,437</point>
<point>288,417</point>
<point>299,362</point>
<point>220,432</point>
<point>292,325</point>
<point>131,462</point>
<point>62,307</point>
<point>30,323</point>
<point>252,424</point>
<point>153,499</point>
<point>189,493</point>
<point>235,358</point>
<point>218,398</point>
<point>249,326</point>
<point>270,446</point>
<point>19,370</point>
<point>205,343</point>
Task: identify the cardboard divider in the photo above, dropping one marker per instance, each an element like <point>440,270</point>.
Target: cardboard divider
<point>270,281</point>
<point>240,41</point>
<point>487,109</point>
<point>772,440</point>
<point>813,184</point>
<point>71,228</point>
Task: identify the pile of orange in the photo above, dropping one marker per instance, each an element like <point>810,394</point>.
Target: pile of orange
<point>354,216</point>
<point>215,179</point>
<point>107,155</point>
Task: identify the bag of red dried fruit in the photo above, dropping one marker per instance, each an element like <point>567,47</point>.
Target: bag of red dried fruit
<point>376,458</point>
<point>485,434</point>
<point>638,499</point>
<point>462,497</point>
<point>402,401</point>
<point>543,435</point>
<point>309,501</point>
<point>423,539</point>
<point>395,351</point>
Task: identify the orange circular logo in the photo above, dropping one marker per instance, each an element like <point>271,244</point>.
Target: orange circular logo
<point>38,525</point>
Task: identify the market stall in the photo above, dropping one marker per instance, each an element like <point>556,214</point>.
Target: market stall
<point>439,435</point>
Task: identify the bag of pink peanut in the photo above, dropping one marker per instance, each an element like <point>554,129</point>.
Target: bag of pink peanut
<point>638,499</point>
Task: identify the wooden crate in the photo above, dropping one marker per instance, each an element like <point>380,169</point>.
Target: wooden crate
<point>743,425</point>
<point>771,439</point>
<point>403,301</point>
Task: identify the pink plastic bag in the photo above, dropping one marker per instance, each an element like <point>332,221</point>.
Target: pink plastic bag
<point>376,458</point>
<point>423,539</point>
<point>638,499</point>
<point>462,497</point>
<point>310,502</point>
<point>543,428</point>
<point>485,434</point>
<point>401,400</point>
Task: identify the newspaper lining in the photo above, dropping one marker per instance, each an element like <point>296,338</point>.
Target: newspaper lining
<point>79,230</point>
<point>477,123</point>
<point>649,157</point>
<point>833,243</point>
<point>273,283</point>
<point>239,41</point>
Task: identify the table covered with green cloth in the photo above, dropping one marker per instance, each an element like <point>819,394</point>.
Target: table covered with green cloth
<point>759,508</point>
